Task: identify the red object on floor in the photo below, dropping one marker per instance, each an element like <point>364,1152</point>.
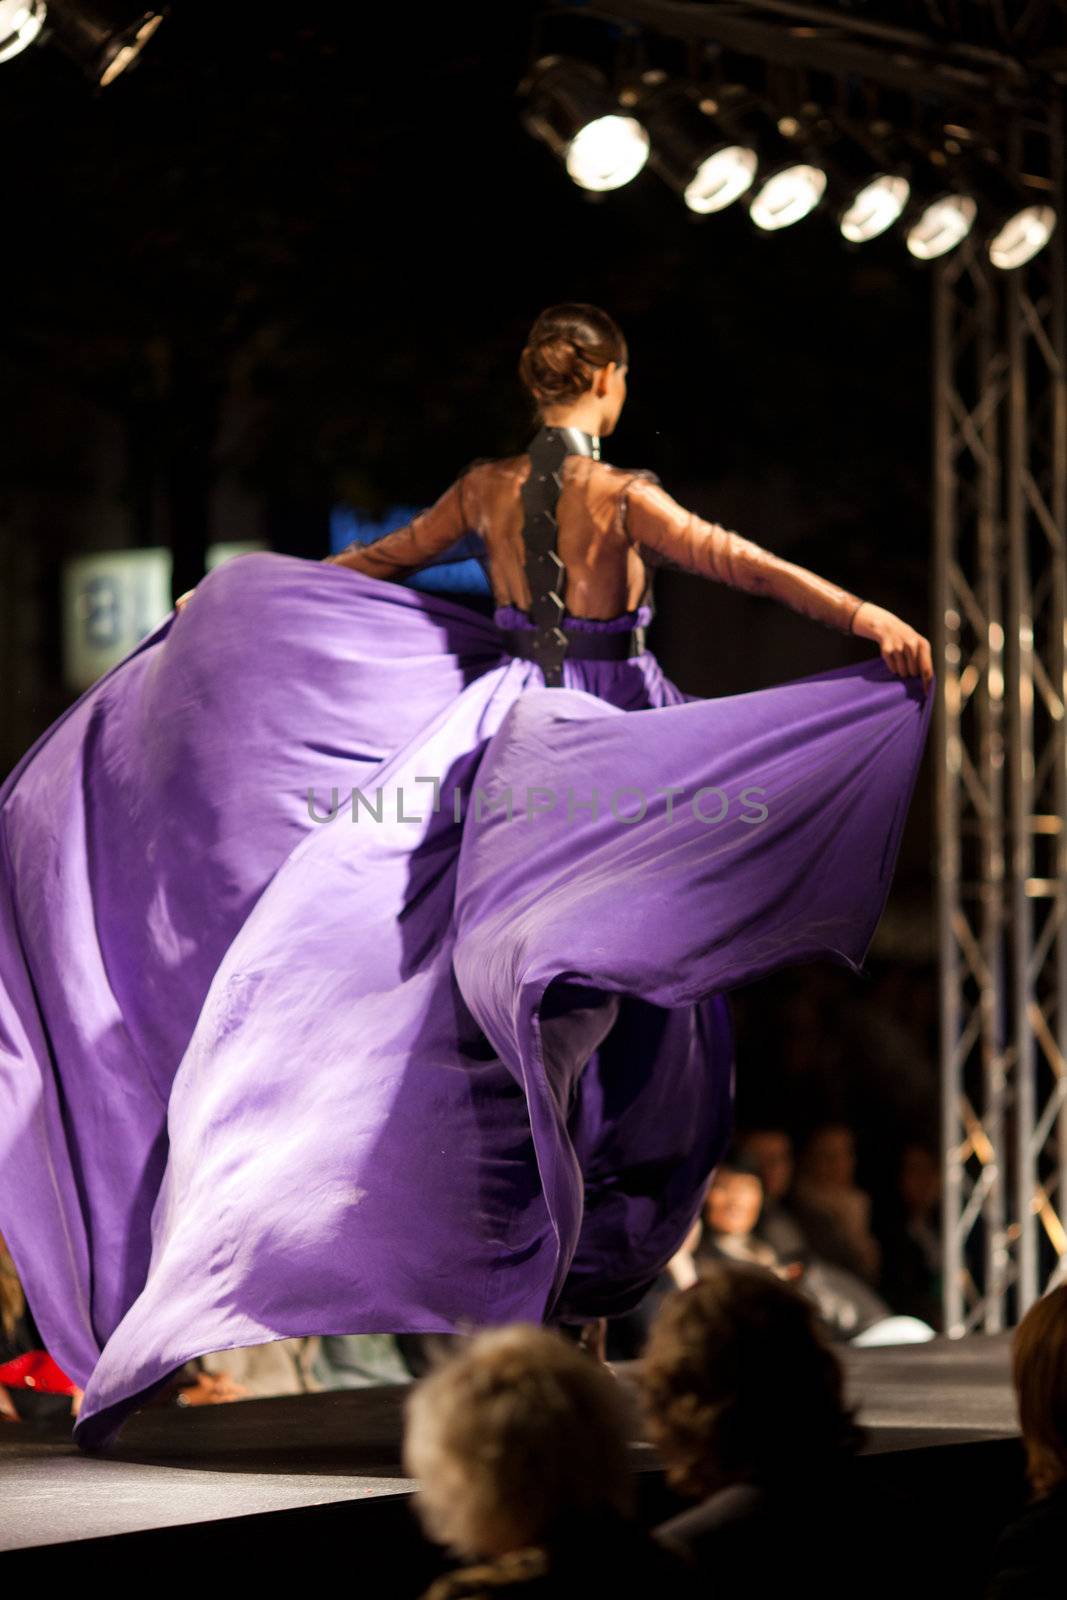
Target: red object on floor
<point>35,1369</point>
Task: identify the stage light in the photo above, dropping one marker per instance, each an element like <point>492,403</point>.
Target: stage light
<point>105,37</point>
<point>1022,236</point>
<point>866,186</point>
<point>572,109</point>
<point>20,23</point>
<point>941,225</point>
<point>690,152</point>
<point>607,153</point>
<point>788,197</point>
<point>791,181</point>
<point>875,207</point>
<point>942,208</point>
<point>1013,223</point>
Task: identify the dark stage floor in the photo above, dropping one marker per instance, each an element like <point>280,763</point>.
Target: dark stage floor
<point>226,1474</point>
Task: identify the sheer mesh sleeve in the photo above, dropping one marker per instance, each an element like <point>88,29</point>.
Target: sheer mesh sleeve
<point>422,539</point>
<point>671,535</point>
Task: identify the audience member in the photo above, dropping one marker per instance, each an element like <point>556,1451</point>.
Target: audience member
<point>732,1214</point>
<point>193,1385</point>
<point>262,1371</point>
<point>849,1308</point>
<point>771,1148</point>
<point>1028,1563</point>
<point>33,1388</point>
<point>910,1236</point>
<point>519,1441</point>
<point>744,1404</point>
<point>359,1360</point>
<point>834,1213</point>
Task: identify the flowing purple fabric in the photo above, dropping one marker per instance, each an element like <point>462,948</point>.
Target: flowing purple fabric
<point>353,981</point>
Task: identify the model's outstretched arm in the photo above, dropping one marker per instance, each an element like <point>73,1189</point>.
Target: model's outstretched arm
<point>424,537</point>
<point>654,521</point>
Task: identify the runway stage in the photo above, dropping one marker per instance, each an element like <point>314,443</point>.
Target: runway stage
<point>313,1478</point>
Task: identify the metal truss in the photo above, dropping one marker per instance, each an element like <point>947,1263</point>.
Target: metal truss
<point>1000,465</point>
<point>999,612</point>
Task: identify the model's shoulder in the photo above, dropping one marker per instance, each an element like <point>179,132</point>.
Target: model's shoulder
<point>616,479</point>
<point>498,466</point>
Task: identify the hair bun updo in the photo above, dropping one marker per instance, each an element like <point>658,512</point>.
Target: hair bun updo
<point>564,348</point>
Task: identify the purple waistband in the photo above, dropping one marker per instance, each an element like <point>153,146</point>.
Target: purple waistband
<point>512,617</point>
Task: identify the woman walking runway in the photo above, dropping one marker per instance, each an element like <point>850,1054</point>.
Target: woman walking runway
<point>364,961</point>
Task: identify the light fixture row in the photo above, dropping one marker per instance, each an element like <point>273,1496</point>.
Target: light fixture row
<point>719,149</point>
<point>105,37</point>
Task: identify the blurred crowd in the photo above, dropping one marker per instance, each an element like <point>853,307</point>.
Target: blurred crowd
<point>523,1442</point>
<point>522,1439</point>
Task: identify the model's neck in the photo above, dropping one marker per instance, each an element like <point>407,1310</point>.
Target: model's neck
<point>576,440</point>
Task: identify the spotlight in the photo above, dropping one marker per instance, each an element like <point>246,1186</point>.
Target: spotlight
<point>1013,224</point>
<point>941,211</point>
<point>709,170</point>
<point>1022,236</point>
<point>941,226</point>
<point>875,207</point>
<point>791,183</point>
<point>866,187</point>
<point>20,23</point>
<point>105,37</point>
<point>572,109</point>
<point>788,197</point>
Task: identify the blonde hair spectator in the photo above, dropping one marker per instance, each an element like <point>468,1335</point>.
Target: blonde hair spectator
<point>517,1432</point>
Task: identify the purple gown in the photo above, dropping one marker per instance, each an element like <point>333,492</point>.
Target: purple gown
<point>421,1066</point>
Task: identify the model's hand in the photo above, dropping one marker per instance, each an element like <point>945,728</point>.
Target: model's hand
<point>183,599</point>
<point>904,651</point>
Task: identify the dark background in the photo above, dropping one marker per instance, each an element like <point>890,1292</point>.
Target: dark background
<point>290,260</point>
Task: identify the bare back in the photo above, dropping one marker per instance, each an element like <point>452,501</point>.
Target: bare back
<point>615,525</point>
<point>606,574</point>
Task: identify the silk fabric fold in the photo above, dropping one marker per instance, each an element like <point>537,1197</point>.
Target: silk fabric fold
<point>433,1060</point>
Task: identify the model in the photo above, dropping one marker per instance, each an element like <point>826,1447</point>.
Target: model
<point>365,960</point>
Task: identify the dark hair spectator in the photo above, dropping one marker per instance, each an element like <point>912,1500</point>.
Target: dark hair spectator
<point>1028,1563</point>
<point>745,1404</point>
<point>740,1384</point>
<point>909,1229</point>
<point>771,1148</point>
<point>833,1211</point>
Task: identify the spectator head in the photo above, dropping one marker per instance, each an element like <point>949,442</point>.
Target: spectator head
<point>919,1182</point>
<point>512,1437</point>
<point>1039,1370</point>
<point>828,1159</point>
<point>735,1196</point>
<point>772,1150</point>
<point>739,1384</point>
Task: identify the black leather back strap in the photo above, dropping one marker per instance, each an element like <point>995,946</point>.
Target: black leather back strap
<point>545,572</point>
<point>581,646</point>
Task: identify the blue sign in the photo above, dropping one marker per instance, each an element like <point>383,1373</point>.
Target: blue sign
<point>458,570</point>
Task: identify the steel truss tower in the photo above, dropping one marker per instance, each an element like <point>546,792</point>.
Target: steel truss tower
<point>1000,611</point>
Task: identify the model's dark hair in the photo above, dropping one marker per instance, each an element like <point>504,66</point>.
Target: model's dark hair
<point>564,348</point>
